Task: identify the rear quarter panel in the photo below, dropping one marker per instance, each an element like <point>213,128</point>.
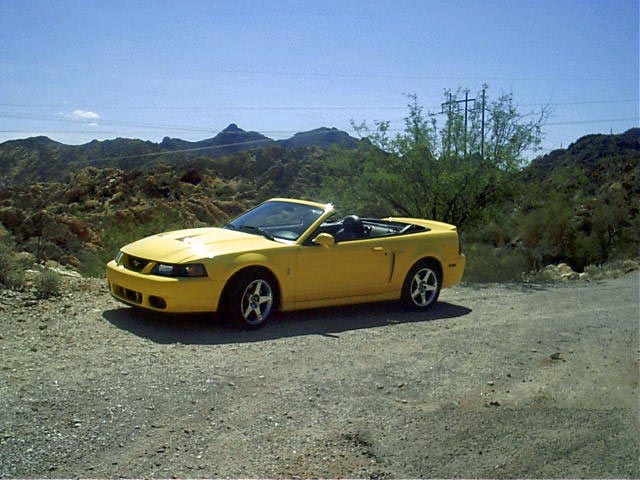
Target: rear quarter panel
<point>439,242</point>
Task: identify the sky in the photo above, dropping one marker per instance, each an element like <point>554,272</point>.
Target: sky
<point>82,70</point>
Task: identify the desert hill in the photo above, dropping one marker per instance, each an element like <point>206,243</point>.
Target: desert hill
<point>40,159</point>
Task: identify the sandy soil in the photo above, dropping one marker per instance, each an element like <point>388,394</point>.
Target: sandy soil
<point>495,381</point>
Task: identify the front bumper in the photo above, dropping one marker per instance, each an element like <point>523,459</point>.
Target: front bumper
<point>163,294</point>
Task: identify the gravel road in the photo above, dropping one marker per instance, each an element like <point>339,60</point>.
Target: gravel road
<point>495,381</point>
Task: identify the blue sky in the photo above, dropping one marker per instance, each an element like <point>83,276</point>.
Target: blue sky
<point>79,70</point>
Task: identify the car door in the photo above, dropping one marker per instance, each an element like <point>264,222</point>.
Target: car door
<point>345,269</point>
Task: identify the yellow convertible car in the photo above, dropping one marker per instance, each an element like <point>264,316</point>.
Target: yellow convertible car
<point>285,255</point>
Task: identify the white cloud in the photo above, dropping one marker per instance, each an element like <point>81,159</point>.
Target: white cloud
<point>84,115</point>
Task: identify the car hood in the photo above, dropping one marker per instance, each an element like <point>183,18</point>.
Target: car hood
<point>196,244</point>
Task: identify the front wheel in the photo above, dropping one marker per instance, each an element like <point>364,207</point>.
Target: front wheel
<point>250,300</point>
<point>421,287</point>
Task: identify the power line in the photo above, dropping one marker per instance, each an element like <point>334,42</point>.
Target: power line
<point>28,116</point>
<point>585,102</point>
<point>281,107</point>
<point>382,75</point>
<point>604,120</point>
<point>93,132</point>
<point>193,107</point>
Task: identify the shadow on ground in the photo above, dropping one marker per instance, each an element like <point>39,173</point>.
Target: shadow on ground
<point>211,329</point>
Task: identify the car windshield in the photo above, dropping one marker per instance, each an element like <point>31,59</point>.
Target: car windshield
<point>277,220</point>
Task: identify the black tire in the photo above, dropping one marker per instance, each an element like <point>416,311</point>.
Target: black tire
<point>250,298</point>
<point>422,284</point>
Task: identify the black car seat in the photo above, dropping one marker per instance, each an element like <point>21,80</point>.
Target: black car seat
<point>352,228</point>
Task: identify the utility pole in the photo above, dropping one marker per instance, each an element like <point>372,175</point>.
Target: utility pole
<point>450,104</point>
<point>482,128</point>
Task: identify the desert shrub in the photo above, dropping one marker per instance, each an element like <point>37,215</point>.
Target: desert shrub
<point>47,284</point>
<point>487,264</point>
<point>11,272</point>
<point>93,264</point>
<point>546,232</point>
<point>612,269</point>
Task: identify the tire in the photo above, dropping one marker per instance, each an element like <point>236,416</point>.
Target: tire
<point>422,284</point>
<point>250,299</point>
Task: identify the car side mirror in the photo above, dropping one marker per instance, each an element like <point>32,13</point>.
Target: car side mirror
<point>324,239</point>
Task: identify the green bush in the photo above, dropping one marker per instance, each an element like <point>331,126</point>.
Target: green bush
<point>486,264</point>
<point>11,272</point>
<point>47,284</point>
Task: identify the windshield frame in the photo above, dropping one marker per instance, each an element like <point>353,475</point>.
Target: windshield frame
<point>303,217</point>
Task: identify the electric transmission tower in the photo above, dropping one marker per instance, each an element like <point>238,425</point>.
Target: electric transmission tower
<point>447,108</point>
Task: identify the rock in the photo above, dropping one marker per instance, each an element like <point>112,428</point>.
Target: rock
<point>555,356</point>
<point>25,257</point>
<point>569,276</point>
<point>564,269</point>
<point>51,264</point>
<point>65,272</point>
<point>560,272</point>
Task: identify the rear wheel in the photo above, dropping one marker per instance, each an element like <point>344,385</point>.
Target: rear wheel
<point>421,286</point>
<point>249,299</point>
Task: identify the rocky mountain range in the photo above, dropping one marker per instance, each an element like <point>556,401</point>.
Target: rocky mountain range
<point>40,159</point>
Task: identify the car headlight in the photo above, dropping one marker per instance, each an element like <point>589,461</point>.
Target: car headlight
<point>179,270</point>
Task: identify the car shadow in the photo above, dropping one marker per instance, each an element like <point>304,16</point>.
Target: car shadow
<point>210,329</point>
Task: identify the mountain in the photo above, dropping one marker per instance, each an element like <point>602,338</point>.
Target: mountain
<point>231,139</point>
<point>321,137</point>
<point>40,159</point>
<point>591,165</point>
<point>579,205</point>
<point>591,153</point>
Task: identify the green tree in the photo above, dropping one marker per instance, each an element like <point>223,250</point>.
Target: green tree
<point>423,171</point>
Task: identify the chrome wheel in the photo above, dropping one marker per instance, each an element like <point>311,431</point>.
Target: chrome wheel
<point>256,302</point>
<point>424,287</point>
<point>422,284</point>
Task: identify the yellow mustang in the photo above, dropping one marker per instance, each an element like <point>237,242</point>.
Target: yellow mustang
<point>288,254</point>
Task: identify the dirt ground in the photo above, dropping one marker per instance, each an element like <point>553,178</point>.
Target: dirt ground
<point>495,381</point>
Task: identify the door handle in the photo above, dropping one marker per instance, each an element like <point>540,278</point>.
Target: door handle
<point>378,249</point>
